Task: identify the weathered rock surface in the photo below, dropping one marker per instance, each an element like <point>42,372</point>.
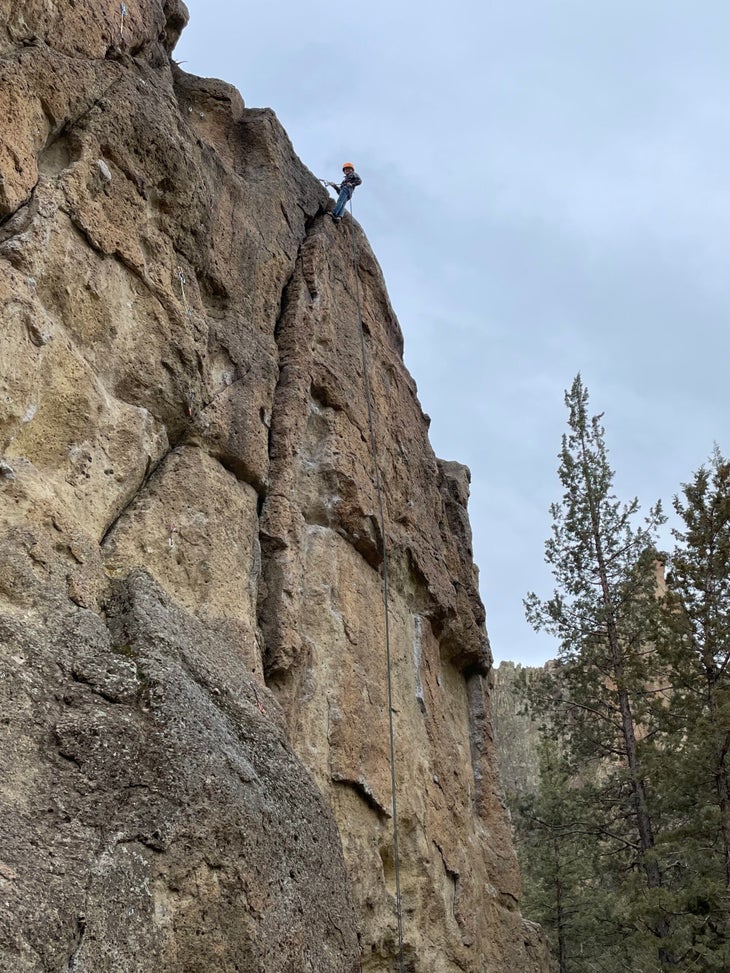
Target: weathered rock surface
<point>516,733</point>
<point>195,747</point>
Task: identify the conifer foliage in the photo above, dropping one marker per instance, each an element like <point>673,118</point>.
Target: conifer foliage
<point>626,846</point>
<point>694,648</point>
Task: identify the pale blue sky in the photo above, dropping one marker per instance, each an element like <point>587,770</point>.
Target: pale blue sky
<point>546,189</point>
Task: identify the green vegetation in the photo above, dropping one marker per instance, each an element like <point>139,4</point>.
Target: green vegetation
<point>625,847</point>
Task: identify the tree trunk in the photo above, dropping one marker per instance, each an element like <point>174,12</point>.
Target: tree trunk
<point>720,772</point>
<point>723,796</point>
<point>560,915</point>
<point>638,787</point>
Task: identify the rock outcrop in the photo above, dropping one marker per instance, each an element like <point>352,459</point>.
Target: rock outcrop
<point>516,732</point>
<point>195,748</point>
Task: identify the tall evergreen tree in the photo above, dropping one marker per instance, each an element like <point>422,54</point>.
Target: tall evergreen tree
<point>694,645</point>
<point>700,590</point>
<point>602,612</point>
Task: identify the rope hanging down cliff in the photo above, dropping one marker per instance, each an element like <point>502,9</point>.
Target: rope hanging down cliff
<point>381,514</point>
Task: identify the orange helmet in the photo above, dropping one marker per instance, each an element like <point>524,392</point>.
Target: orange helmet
<point>348,165</point>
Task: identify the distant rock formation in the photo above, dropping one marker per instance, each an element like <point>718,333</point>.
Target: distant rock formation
<point>194,733</point>
<point>515,732</point>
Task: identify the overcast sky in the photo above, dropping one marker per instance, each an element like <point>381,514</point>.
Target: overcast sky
<point>545,185</point>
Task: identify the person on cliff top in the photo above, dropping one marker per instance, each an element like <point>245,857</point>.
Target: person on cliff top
<point>346,188</point>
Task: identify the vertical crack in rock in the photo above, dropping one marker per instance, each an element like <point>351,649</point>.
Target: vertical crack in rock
<point>454,877</point>
<point>479,727</point>
<point>284,435</point>
<point>80,933</point>
<point>417,661</point>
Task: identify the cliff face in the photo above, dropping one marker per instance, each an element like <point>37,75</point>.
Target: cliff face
<point>195,731</point>
<point>516,733</point>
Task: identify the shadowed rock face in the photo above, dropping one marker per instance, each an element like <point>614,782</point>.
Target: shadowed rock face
<point>194,739</point>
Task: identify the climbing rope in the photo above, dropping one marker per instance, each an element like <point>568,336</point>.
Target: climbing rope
<point>381,513</point>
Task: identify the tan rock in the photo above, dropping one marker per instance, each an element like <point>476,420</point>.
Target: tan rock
<point>192,625</point>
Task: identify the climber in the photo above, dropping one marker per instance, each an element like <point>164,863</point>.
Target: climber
<point>346,188</point>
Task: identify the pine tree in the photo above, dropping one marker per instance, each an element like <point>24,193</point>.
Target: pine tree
<point>694,764</point>
<point>602,612</point>
<point>556,853</point>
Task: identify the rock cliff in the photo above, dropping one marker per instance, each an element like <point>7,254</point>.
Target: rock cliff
<point>516,733</point>
<point>195,749</point>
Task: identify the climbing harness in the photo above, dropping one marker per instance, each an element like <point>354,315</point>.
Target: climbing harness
<point>381,514</point>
